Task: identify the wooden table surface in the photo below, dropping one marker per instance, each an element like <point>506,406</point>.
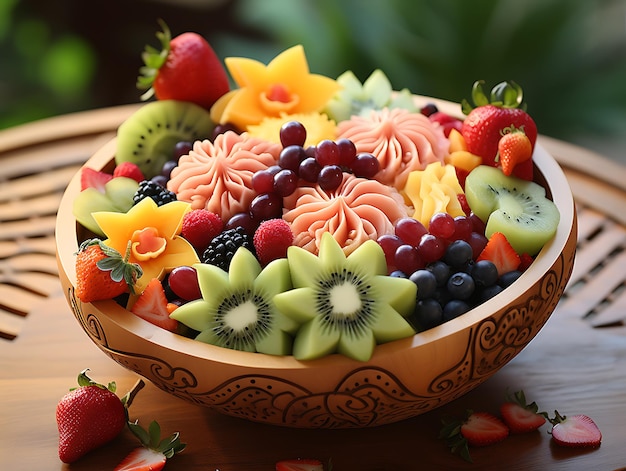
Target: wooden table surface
<point>577,363</point>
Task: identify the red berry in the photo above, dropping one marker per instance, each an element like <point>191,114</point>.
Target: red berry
<point>200,226</point>
<point>129,170</point>
<point>271,240</point>
<point>183,281</point>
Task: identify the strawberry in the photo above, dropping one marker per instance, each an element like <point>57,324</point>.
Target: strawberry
<point>519,416</point>
<point>477,429</point>
<point>271,240</point>
<point>576,431</point>
<point>484,124</point>
<point>200,226</point>
<point>499,251</point>
<point>102,273</point>
<point>90,178</point>
<point>154,453</point>
<point>513,148</point>
<point>300,464</point>
<point>90,416</point>
<point>129,170</point>
<point>152,306</point>
<point>186,69</point>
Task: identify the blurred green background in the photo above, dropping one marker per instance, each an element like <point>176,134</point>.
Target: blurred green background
<point>569,55</point>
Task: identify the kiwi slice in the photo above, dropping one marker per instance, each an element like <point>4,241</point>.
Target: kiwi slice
<point>518,208</point>
<point>147,138</point>
<point>237,310</point>
<point>345,304</point>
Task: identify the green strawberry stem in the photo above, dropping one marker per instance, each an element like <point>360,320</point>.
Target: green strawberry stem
<point>151,439</point>
<point>506,94</point>
<point>153,60</point>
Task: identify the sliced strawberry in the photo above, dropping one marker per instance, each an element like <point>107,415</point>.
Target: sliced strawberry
<point>499,251</point>
<point>300,464</point>
<point>142,459</point>
<point>152,306</point>
<point>576,431</point>
<point>154,452</point>
<point>90,178</point>
<point>519,416</point>
<point>477,429</point>
<point>483,428</point>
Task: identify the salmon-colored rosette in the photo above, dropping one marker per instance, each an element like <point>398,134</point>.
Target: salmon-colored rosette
<point>218,176</point>
<point>359,210</point>
<point>402,142</point>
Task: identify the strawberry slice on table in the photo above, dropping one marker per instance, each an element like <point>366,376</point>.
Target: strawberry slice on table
<point>490,116</point>
<point>300,464</point>
<point>152,305</point>
<point>155,451</point>
<point>575,431</point>
<point>519,416</point>
<point>478,429</point>
<point>500,252</point>
<point>186,69</point>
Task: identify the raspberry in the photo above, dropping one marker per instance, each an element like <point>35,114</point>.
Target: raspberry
<point>129,170</point>
<point>200,226</point>
<point>271,240</point>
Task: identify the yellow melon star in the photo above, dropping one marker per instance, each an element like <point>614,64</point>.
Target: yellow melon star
<point>153,234</point>
<point>284,86</point>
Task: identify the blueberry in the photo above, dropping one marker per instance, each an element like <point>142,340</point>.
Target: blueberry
<point>461,286</point>
<point>484,273</point>
<point>506,279</point>
<point>454,308</point>
<point>427,314</point>
<point>426,283</point>
<point>397,274</point>
<point>441,270</point>
<point>489,292</point>
<point>458,253</point>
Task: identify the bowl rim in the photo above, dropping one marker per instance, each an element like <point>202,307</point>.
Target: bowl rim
<point>547,169</point>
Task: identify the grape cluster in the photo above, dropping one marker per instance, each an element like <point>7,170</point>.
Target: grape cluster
<point>441,261</point>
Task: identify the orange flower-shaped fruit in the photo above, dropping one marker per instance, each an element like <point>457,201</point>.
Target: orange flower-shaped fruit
<point>284,86</point>
<point>153,234</point>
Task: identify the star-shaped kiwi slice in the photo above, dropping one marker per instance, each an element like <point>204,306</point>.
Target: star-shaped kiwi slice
<point>344,304</point>
<point>237,307</point>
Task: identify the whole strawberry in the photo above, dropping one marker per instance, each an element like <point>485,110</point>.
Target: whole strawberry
<point>186,69</point>
<point>487,121</point>
<point>88,417</point>
<point>514,148</point>
<point>102,273</point>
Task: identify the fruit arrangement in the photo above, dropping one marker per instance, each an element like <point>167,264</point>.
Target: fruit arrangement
<point>301,215</point>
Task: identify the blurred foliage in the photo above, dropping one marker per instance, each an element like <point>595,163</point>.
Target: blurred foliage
<point>568,55</point>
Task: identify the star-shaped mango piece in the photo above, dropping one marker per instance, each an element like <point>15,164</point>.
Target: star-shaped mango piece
<point>151,235</point>
<point>284,86</point>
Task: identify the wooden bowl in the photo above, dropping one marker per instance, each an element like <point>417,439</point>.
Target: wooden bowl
<point>403,378</point>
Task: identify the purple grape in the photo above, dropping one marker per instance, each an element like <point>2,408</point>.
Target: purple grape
<point>330,177</point>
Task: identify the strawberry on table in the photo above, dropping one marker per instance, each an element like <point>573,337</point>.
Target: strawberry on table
<point>186,69</point>
<point>576,431</point>
<point>478,429</point>
<point>155,451</point>
<point>90,416</point>
<point>300,464</point>
<point>519,416</point>
<point>486,121</point>
<point>102,273</point>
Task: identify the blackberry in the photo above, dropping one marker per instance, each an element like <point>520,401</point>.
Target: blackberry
<point>151,189</point>
<point>223,246</point>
